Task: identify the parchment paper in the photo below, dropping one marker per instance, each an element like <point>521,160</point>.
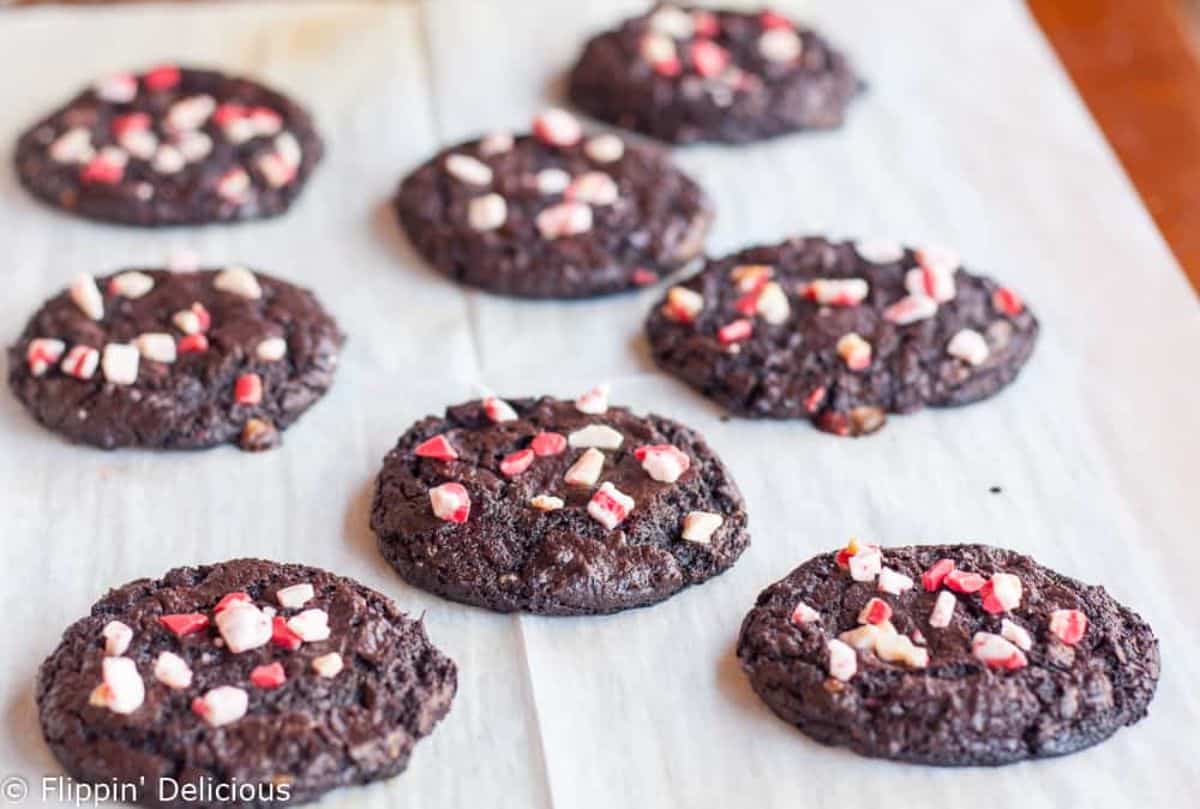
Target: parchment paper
<point>970,135</point>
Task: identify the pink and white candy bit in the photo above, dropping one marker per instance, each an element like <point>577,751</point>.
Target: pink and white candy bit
<point>875,611</point>
<point>156,347</point>
<point>556,127</point>
<point>221,705</point>
<point>238,281</point>
<point>997,652</point>
<point>517,462</point>
<point>662,55</point>
<point>932,578</point>
<point>172,671</point>
<point>910,309</point>
<point>310,626</point>
<point>243,626</point>
<point>1069,626</point>
<point>122,690</point>
<point>1007,302</point>
<point>564,219</point>
<point>546,502</point>
<point>663,462</point>
<point>943,610</point>
<point>843,661</point>
<point>802,614</point>
<point>893,581</point>
<point>81,362</point>
<point>487,212</point>
<point>248,389</point>
<point>586,469</point>
<point>699,526</point>
<point>132,285</point>
<point>438,447</point>
<point>969,346</point>
<point>450,502</point>
<point>117,637</point>
<point>270,675</point>
<point>610,506</point>
<point>548,444</point>
<point>498,410</point>
<point>605,148</point>
<point>86,295</point>
<point>854,351</point>
<point>735,332</point>
<point>469,170</point>
<point>594,402</point>
<point>594,188</point>
<point>120,363</point>
<point>1002,593</point>
<point>683,305</point>
<point>43,353</point>
<point>934,277</point>
<point>835,291</point>
<point>1016,634</point>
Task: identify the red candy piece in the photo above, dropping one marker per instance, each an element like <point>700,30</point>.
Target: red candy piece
<point>1068,626</point>
<point>184,623</point>
<point>516,463</point>
<point>876,611</point>
<point>708,58</point>
<point>747,304</point>
<point>1007,301</point>
<point>962,582</point>
<point>202,316</point>
<point>545,444</point>
<point>282,634</point>
<point>230,598</point>
<point>772,19</point>
<point>644,278</point>
<point>669,67</point>
<point>813,401</point>
<point>451,502</point>
<point>734,332</point>
<point>228,113</point>
<point>705,24</point>
<point>437,447</point>
<point>248,389</point>
<point>269,676</point>
<point>102,171</point>
<point>932,579</point>
<point>163,77</point>
<point>192,344</point>
<point>133,122</point>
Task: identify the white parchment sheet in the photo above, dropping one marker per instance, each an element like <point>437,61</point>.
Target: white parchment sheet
<point>970,135</point>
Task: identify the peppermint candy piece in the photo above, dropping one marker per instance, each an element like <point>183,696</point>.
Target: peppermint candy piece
<point>310,626</point>
<point>1007,302</point>
<point>854,351</point>
<point>610,506</point>
<point>163,77</point>
<point>248,389</point>
<point>42,354</point>
<point>1016,634</point>
<point>277,171</point>
<point>288,149</point>
<point>606,148</point>
<point>488,212</point>
<point>132,285</point>
<point>1069,626</point>
<point>934,277</point>
<point>751,277</point>
<point>875,611</point>
<point>866,564</point>
<point>438,447</point>
<point>706,24</point>
<point>943,610</point>
<point>117,637</point>
<point>189,113</point>
<point>672,21</point>
<point>222,705</point>
<point>468,169</point>
<point>172,671</point>
<point>843,662</point>
<point>119,88</point>
<point>563,220</point>
<point>295,596</point>
<point>932,578</point>
<point>683,305</point>
<point>238,281</point>
<point>708,58</point>
<point>594,188</point>
<point>72,146</point>
<point>450,502</point>
<point>961,581</point>
<point>192,344</point>
<point>661,54</point>
<point>328,665</point>
<point>969,346</point>
<point>600,436</point>
<point>106,168</point>
<point>272,349</point>
<point>194,146</point>
<point>893,581</point>
<point>548,444</point>
<point>545,502</point>
<point>515,463</point>
<point>194,320</point>
<point>1002,593</point>
<point>243,627</point>
<point>879,251</point>
<point>802,614</point>
<point>663,462</point>
<point>556,127</point>
<point>772,304</point>
<point>86,295</point>
<point>552,181</point>
<point>168,160</point>
<point>495,143</point>
<point>897,648</point>
<point>283,636</point>
<point>498,410</point>
<point>836,291</point>
<point>735,332</point>
<point>997,652</point>
<point>81,362</point>
<point>586,470</point>
<point>268,676</point>
<point>699,526</point>
<point>780,45</point>
<point>234,186</point>
<point>184,624</point>
<point>120,363</point>
<point>122,691</point>
<point>595,401</point>
<point>910,309</point>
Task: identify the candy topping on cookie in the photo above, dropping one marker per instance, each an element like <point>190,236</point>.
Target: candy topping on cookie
<point>221,705</point>
<point>498,410</point>
<point>606,148</point>
<point>1007,302</point>
<point>87,297</point>
<point>943,609</point>
<point>547,444</point>
<point>43,353</point>
<point>243,626</point>
<point>557,127</point>
<point>564,219</point>
<point>295,596</point>
<point>248,389</point>
<point>487,212</point>
<point>586,470</point>
<point>438,448</point>
<point>961,581</point>
<point>594,188</point>
<point>997,652</point>
<point>238,281</point>
<point>271,349</point>
<point>879,252</point>
<point>116,638</point>
<point>610,506</point>
<point>875,611</point>
<point>546,502</point>
<point>1002,593</point>
<point>854,351</point>
<point>735,332</point>
<point>894,582</point>
<point>328,665</point>
<point>283,636</point>
<point>699,526</point>
<point>450,502</point>
<point>468,169</point>
<point>183,624</point>
<point>683,305</point>
<point>910,309</point>
<point>81,362</point>
<point>843,662</point>
<point>310,626</point>
<point>596,435</point>
<point>594,402</point>
<point>122,691</point>
<point>835,291</point>
<point>802,614</point>
<point>495,143</point>
<point>517,462</point>
<point>270,675</point>
<point>665,463</point>
<point>1016,634</point>
<point>968,345</point>
<point>1069,626</point>
<point>120,363</point>
<point>172,670</point>
<point>932,578</point>
<point>192,344</point>
<point>131,284</point>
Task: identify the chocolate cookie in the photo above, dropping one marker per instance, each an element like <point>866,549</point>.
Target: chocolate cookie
<point>247,682</point>
<point>556,507</point>
<point>947,654</point>
<point>685,75</point>
<point>554,214</point>
<point>175,360</point>
<point>171,146</point>
<point>841,333</point>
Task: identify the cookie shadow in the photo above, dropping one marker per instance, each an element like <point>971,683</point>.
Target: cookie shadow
<point>385,229</point>
<point>733,683</point>
<point>24,729</point>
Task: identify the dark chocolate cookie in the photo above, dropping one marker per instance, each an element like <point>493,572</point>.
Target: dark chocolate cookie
<point>277,681</point>
<point>556,507</point>
<point>683,75</point>
<point>171,146</point>
<point>175,360</point>
<point>554,214</point>
<point>947,654</point>
<point>842,333</point>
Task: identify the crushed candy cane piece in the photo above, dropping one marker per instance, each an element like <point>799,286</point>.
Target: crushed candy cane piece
<point>854,351</point>
<point>552,181</point>
<point>172,670</point>
<point>835,291</point>
<point>661,53</point>
<point>487,212</point>
<point>498,410</point>
<point>117,636</point>
<point>248,389</point>
<point>192,344</point>
<point>610,506</point>
<point>594,188</point>
<point>699,526</point>
<point>586,470</point>
<point>843,662</point>
<point>606,148</point>
<point>961,581</point>
<point>932,578</point>
<point>123,691</point>
<point>132,284</point>
<point>910,309</point>
<point>282,635</point>
<point>295,596</point>
<point>119,88</point>
<point>270,675</point>
<point>943,610</point>
<point>708,58</point>
<point>866,564</point>
<point>893,581</point>
<point>221,705</point>
<point>1007,302</point>
<point>997,652</point>
<point>42,354</point>
<point>238,281</point>
<point>564,219</point>
<point>600,436</point>
<point>969,346</point>
<point>310,626</point>
<point>328,665</point>
<point>495,143</point>
<point>683,305</point>
<point>120,363</point>
<point>517,462</point>
<point>780,45</point>
<point>1069,626</point>
<point>1002,593</point>
<point>594,402</point>
<point>81,362</point>
<point>879,252</point>
<point>672,21</point>
<point>184,624</point>
<point>557,127</point>
<point>438,448</point>
<point>875,611</point>
<point>243,626</point>
<point>86,295</point>
<point>271,349</point>
<point>450,502</point>
<point>802,614</point>
<point>546,502</point>
<point>1016,634</point>
<point>468,169</point>
<point>772,304</point>
<point>547,444</point>
<point>665,463</point>
<point>735,332</point>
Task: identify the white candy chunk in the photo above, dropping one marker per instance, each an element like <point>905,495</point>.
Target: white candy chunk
<point>243,627</point>
<point>773,304</point>
<point>836,291</point>
<point>495,143</point>
<point>586,470</point>
<point>780,45</point>
<point>943,610</point>
<point>934,278</point>
<point>141,143</point>
<point>968,345</point>
<point>43,353</point>
<point>665,463</point>
<point>123,687</point>
<point>594,402</point>
<point>658,49</point>
<point>594,188</point>
<point>172,671</point>
<point>328,665</point>
<point>879,251</point>
<point>546,502</point>
<point>1016,634</point>
<point>564,219</point>
<point>487,212</point>
<point>910,309</point>
<point>864,637</point>
<point>156,346</point>
<point>468,169</point>
<point>699,526</point>
<point>275,170</point>
<point>672,21</point>
<point>897,648</point>
<point>187,321</point>
<point>893,581</point>
<point>87,297</point>
<point>310,625</point>
<point>120,363</point>
<point>997,652</point>
<point>119,88</point>
<point>866,564</point>
<point>222,705</point>
<point>843,661</point>
<point>683,305</point>
<point>1005,593</point>
<point>295,596</point>
<point>266,122</point>
<point>116,638</point>
<point>167,160</point>
<point>552,181</point>
<point>803,613</point>
<point>498,410</point>
<point>194,146</point>
<point>610,506</point>
<point>604,148</point>
<point>271,349</point>
<point>238,281</point>
<point>131,284</point>
<point>190,112</point>
<point>854,351</point>
<point>288,149</point>
<point>557,127</point>
<point>600,436</point>
<point>73,146</point>
<point>233,185</point>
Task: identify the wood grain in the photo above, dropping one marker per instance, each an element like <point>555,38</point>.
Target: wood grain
<point>1136,67</point>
